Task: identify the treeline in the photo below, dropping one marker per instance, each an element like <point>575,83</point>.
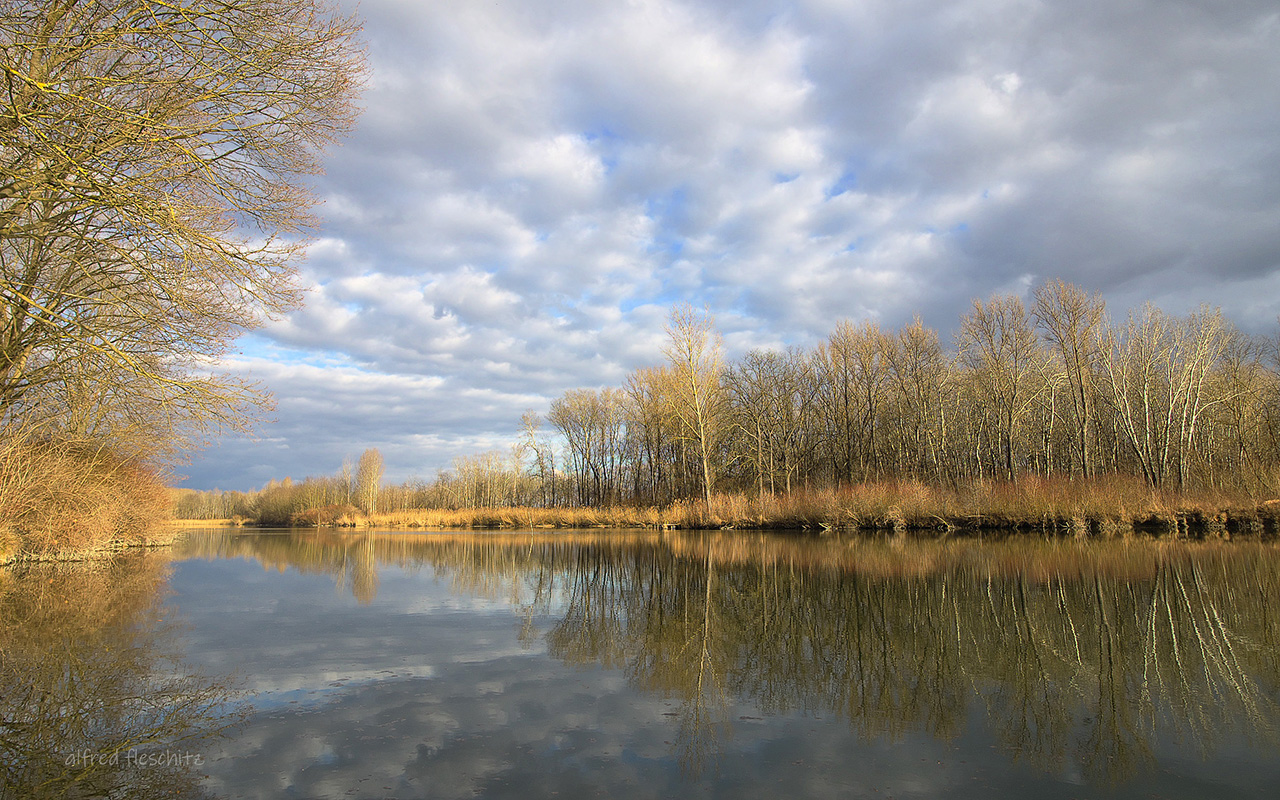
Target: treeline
<point>1052,388</point>
<point>488,480</point>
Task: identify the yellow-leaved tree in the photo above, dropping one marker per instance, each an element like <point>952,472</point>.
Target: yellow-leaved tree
<point>153,204</point>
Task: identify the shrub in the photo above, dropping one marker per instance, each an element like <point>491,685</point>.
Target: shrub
<point>62,497</point>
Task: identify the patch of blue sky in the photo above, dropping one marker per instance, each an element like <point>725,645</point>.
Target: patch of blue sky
<point>958,229</point>
<point>606,144</point>
<point>666,244</point>
<point>669,212</point>
<point>666,297</point>
<point>258,347</point>
<point>600,135</point>
<point>669,295</point>
<point>669,208</point>
<point>785,177</point>
<point>847,181</point>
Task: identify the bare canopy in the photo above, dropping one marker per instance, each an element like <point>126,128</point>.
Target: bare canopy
<point>153,199</point>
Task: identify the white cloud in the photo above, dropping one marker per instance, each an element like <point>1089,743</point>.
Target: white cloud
<point>530,188</point>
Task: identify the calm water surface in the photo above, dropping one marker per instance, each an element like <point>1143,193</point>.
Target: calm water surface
<point>637,664</point>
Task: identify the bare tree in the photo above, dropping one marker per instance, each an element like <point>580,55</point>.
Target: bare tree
<point>918,378</point>
<point>369,479</point>
<point>853,389</point>
<point>1158,371</point>
<point>543,467</point>
<point>772,402</point>
<point>650,429</point>
<point>697,399</point>
<point>593,425</point>
<point>1000,350</point>
<point>152,205</point>
<point>1072,321</point>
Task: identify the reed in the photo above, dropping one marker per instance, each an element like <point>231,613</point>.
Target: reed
<point>1101,507</point>
<point>65,500</point>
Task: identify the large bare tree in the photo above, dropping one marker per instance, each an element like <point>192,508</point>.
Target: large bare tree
<point>153,200</point>
<point>368,482</point>
<point>697,399</point>
<point>1072,322</point>
<point>1000,351</point>
<point>1159,372</point>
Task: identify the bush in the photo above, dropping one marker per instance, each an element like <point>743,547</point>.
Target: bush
<point>64,497</point>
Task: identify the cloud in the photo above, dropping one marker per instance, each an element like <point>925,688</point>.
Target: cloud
<point>529,190</point>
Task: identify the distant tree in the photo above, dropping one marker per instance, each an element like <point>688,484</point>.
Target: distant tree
<point>1003,359</point>
<point>1072,322</point>
<point>697,396</point>
<point>152,198</point>
<point>369,479</point>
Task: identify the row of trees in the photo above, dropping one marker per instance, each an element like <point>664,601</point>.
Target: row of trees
<point>1052,387</point>
<point>486,480</point>
<point>355,487</point>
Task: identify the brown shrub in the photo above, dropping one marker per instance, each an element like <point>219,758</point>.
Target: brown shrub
<point>340,515</point>
<point>59,498</point>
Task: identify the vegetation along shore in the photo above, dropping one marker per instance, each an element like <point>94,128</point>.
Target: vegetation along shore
<point>1042,416</point>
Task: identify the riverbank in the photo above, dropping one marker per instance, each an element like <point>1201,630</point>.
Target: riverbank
<point>156,537</point>
<point>1084,509</point>
<point>69,500</point>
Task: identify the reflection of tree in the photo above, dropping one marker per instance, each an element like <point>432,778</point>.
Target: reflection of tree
<point>94,701</point>
<point>359,570</point>
<point>690,665</point>
<point>1082,654</point>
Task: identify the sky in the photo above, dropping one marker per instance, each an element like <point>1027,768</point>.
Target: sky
<point>533,185</point>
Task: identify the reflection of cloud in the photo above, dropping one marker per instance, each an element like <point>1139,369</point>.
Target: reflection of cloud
<point>526,192</point>
<point>309,635</point>
<point>527,728</point>
<point>963,677</point>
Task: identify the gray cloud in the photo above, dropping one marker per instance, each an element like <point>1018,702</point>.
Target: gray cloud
<point>528,191</point>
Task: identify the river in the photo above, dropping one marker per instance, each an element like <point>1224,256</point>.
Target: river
<point>639,664</point>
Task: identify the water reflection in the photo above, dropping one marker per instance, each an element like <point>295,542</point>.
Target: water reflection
<point>94,699</point>
<point>1077,656</point>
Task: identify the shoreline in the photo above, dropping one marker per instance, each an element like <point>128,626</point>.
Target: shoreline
<point>900,513</point>
<point>1260,521</point>
<point>97,552</point>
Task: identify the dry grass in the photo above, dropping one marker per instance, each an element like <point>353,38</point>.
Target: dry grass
<point>1107,506</point>
<point>185,524</point>
<point>509,518</point>
<point>63,500</point>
